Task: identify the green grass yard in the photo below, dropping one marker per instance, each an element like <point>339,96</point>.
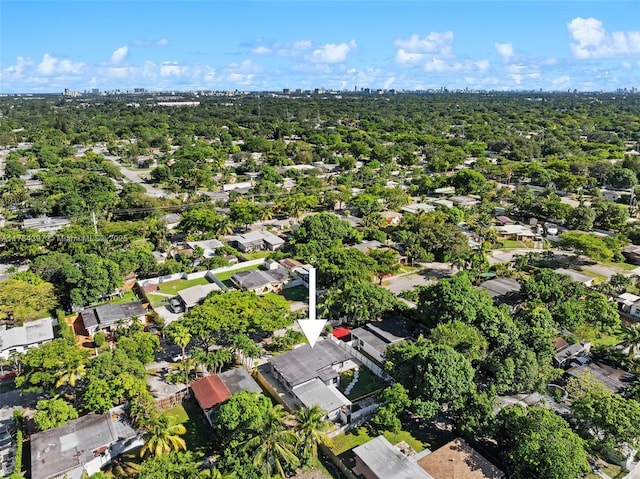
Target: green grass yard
<point>173,287</point>
<point>356,437</point>
<point>367,383</point>
<point>199,433</point>
<point>297,293</point>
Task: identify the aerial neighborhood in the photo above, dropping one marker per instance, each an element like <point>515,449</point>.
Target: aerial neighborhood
<point>160,253</point>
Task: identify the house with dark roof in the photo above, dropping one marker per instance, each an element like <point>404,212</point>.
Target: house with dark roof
<point>312,375</point>
<point>82,446</point>
<point>261,282</point>
<point>373,338</point>
<point>616,380</point>
<point>256,241</point>
<point>107,316</point>
<point>502,290</point>
<point>21,338</point>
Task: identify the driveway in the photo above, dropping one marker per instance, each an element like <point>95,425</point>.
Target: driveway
<point>14,399</point>
<point>428,275</point>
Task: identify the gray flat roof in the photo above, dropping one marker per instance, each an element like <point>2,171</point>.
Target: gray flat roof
<point>253,279</point>
<point>387,462</point>
<point>56,451</point>
<point>31,333</point>
<point>239,379</point>
<point>379,334</point>
<point>501,286</point>
<point>306,363</point>
<point>195,294</point>
<point>108,314</point>
<point>316,392</point>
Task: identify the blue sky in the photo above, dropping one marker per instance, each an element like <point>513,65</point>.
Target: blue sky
<point>47,46</point>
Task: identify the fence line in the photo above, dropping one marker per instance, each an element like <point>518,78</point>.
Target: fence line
<point>375,369</point>
<point>169,402</point>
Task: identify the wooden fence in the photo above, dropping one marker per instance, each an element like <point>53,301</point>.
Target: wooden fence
<point>169,402</point>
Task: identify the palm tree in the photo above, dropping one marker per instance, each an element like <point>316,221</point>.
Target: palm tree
<point>218,359</point>
<point>273,446</point>
<point>312,428</point>
<point>180,336</point>
<point>224,226</point>
<point>631,339</point>
<point>70,374</point>
<point>161,437</point>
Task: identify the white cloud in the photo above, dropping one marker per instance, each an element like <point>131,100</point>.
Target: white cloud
<point>48,64</point>
<point>51,65</point>
<point>286,49</point>
<point>333,53</point>
<point>561,83</point>
<point>172,69</point>
<point>19,67</point>
<point>119,55</point>
<point>505,50</point>
<point>262,50</point>
<point>163,42</point>
<point>591,40</point>
<point>404,57</point>
<point>437,43</point>
<point>245,67</point>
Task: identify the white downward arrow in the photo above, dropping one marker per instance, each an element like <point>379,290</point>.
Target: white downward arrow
<point>312,327</point>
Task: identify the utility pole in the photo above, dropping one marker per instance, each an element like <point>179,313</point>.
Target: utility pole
<point>95,223</point>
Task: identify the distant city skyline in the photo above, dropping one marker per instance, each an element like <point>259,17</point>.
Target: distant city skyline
<point>265,45</point>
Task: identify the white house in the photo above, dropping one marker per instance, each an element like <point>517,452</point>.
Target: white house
<point>21,338</point>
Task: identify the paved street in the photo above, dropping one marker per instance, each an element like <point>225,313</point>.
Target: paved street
<point>13,399</point>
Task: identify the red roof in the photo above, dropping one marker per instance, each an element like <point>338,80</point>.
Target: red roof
<point>210,391</point>
<point>342,333</point>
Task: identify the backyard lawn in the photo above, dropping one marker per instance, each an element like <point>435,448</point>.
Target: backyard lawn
<point>172,287</point>
<point>356,437</point>
<point>367,383</point>
<point>199,432</point>
<point>297,293</point>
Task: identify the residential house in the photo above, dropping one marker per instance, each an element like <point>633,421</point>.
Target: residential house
<point>391,217</point>
<point>209,247</point>
<point>290,264</point>
<point>311,375</point>
<point>241,187</point>
<point>368,245</point>
<point>416,208</point>
<point>629,304</point>
<point>20,338</point>
<point>107,316</point>
<point>373,338</point>
<point>379,459</point>
<point>466,201</point>
<point>616,380</point>
<point>632,253</point>
<point>513,232</point>
<point>210,391</point>
<point>502,290</point>
<point>577,276</point>
<point>189,297</point>
<point>261,282</point>
<point>257,241</point>
<point>46,224</point>
<point>81,447</point>
<point>566,354</point>
<point>457,459</point>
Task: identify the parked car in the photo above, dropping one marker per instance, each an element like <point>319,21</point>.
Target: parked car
<point>179,358</point>
<point>176,305</point>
